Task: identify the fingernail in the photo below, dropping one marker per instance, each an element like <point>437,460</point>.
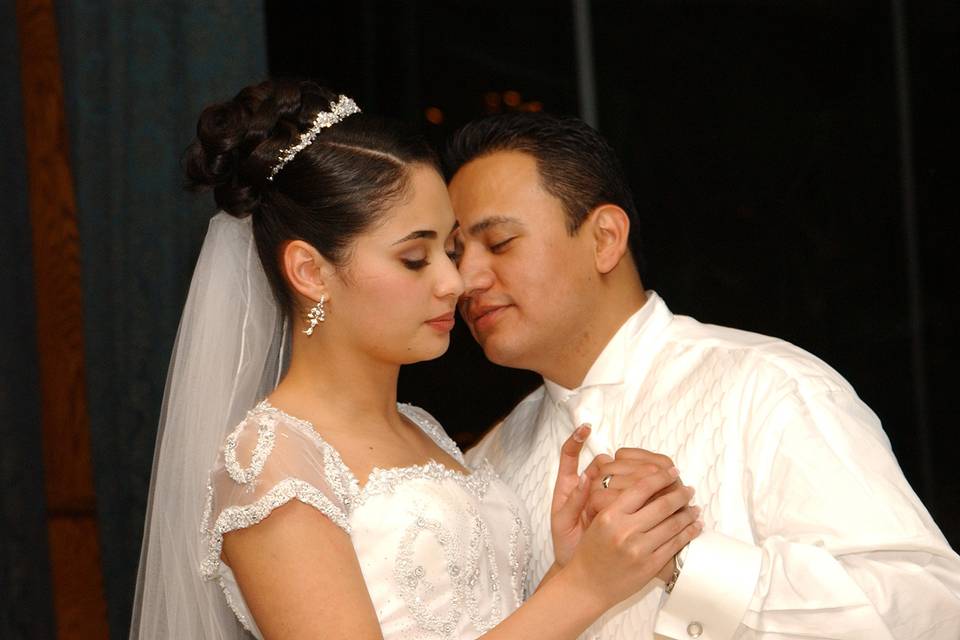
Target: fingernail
<point>693,490</point>
<point>674,472</point>
<point>698,525</point>
<point>697,511</point>
<point>581,433</point>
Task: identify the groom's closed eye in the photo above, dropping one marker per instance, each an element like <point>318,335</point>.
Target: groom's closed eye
<point>501,245</point>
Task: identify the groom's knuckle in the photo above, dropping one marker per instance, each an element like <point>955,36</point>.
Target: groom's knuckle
<point>623,541</point>
<point>665,461</point>
<point>648,469</point>
<point>605,520</point>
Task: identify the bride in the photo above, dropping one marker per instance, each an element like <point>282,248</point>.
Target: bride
<point>292,496</point>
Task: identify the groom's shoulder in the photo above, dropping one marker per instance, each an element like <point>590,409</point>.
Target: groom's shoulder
<point>505,436</point>
<point>761,356</point>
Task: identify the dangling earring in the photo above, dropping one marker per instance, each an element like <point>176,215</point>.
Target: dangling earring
<point>316,315</point>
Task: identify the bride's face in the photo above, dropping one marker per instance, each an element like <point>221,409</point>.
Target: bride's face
<point>395,298</point>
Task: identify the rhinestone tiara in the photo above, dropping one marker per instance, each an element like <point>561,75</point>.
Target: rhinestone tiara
<point>339,110</point>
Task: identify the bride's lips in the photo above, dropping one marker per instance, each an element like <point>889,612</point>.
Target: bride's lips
<point>444,322</point>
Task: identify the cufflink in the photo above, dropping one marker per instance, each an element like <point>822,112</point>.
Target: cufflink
<point>694,629</point>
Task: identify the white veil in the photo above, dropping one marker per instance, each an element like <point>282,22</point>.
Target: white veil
<point>228,354</point>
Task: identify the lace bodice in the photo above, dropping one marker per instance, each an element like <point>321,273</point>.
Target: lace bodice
<point>444,554</point>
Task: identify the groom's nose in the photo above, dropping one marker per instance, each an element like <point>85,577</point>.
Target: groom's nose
<point>476,272</point>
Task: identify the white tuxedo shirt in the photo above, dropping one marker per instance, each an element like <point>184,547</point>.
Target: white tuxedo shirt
<point>811,529</point>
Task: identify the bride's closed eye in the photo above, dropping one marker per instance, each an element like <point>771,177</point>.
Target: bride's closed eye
<point>414,264</point>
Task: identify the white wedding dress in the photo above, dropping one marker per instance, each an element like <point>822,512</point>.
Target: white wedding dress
<point>444,554</point>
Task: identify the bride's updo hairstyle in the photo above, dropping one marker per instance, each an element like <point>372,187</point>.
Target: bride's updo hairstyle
<point>329,193</point>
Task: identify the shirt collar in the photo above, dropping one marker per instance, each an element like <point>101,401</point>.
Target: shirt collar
<point>610,367</point>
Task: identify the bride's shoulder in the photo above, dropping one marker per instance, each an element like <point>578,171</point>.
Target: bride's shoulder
<point>267,438</point>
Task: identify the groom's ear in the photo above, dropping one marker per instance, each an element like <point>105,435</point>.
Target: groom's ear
<point>610,228</point>
<point>306,270</point>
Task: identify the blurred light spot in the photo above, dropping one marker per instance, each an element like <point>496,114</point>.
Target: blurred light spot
<point>433,115</point>
<point>511,98</point>
<point>491,100</point>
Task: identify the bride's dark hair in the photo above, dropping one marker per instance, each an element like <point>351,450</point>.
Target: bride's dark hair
<point>333,190</point>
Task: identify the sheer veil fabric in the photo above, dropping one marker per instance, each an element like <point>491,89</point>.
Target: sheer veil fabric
<point>229,353</point>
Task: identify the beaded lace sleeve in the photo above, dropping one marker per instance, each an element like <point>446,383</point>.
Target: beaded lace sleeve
<point>432,428</point>
<point>266,462</point>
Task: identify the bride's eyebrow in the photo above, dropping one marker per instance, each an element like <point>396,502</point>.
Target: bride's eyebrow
<point>416,235</point>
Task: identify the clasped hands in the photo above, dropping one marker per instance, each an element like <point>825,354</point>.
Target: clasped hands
<point>626,512</point>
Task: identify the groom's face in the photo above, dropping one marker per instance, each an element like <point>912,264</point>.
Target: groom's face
<point>525,276</point>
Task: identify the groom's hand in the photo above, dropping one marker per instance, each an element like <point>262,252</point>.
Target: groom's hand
<point>625,469</point>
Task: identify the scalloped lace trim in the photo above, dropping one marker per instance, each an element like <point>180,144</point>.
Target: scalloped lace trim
<point>233,518</point>
<point>382,481</point>
<point>345,485</point>
<point>337,474</point>
<point>266,438</point>
<point>233,607</point>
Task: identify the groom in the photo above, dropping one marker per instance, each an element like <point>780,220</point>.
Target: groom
<point>811,529</point>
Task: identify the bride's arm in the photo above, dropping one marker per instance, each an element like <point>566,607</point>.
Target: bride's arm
<point>300,577</point>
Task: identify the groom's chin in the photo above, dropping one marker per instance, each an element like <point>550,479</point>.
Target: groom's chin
<point>500,351</point>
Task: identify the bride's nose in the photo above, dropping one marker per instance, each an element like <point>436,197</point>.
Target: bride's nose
<point>449,281</point>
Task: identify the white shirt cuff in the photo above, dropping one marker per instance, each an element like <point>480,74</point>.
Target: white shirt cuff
<point>713,591</point>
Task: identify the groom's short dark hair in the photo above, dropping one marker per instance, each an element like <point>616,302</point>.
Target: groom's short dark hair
<point>576,164</point>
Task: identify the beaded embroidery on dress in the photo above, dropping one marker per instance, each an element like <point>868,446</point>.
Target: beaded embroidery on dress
<point>445,555</point>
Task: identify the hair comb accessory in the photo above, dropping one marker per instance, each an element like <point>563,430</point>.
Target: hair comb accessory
<point>339,110</point>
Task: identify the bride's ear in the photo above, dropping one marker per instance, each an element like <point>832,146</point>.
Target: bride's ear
<point>306,270</point>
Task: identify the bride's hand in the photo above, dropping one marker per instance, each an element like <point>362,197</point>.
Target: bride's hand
<point>630,541</point>
<point>570,494</point>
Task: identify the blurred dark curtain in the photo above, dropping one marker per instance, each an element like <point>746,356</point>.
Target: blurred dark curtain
<point>27,609</point>
<point>137,75</point>
<point>763,143</point>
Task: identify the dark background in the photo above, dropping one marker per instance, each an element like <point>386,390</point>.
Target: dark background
<point>795,168</point>
<point>764,142</point>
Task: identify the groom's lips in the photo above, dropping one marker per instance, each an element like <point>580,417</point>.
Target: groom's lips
<point>483,316</point>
